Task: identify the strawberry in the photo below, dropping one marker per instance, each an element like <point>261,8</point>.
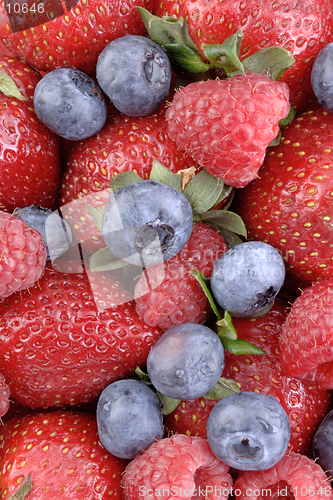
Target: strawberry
<point>289,206</point>
<point>305,403</point>
<point>307,336</point>
<point>57,455</point>
<point>226,125</point>
<point>125,144</point>
<point>69,336</point>
<point>30,165</point>
<point>72,38</point>
<point>302,28</point>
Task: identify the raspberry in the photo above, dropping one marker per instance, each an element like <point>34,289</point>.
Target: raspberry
<point>22,255</point>
<point>226,125</point>
<point>185,466</point>
<point>307,336</point>
<point>294,477</point>
<point>169,295</point>
<point>4,395</point>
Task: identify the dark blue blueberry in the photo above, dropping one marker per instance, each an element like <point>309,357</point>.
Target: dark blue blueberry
<point>56,233</point>
<point>248,431</point>
<point>323,444</point>
<point>186,362</point>
<point>322,77</point>
<point>247,278</point>
<point>135,73</point>
<point>147,223</point>
<point>70,103</point>
<point>129,418</point>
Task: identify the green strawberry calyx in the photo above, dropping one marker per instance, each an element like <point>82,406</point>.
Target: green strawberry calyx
<point>224,327</point>
<point>223,388</point>
<point>172,34</point>
<point>203,192</point>
<point>9,87</point>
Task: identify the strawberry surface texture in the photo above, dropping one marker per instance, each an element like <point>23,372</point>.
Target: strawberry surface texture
<point>289,206</point>
<point>91,340</point>
<point>61,454</point>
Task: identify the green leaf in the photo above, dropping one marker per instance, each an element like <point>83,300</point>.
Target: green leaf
<point>289,118</point>
<point>226,328</point>
<point>273,61</point>
<point>168,404</point>
<point>163,174</point>
<point>104,260</point>
<point>205,285</point>
<point>226,54</point>
<point>226,193</point>
<point>9,87</point>
<point>124,179</point>
<point>224,219</point>
<point>23,490</point>
<point>224,387</point>
<point>231,238</point>
<point>240,346</point>
<point>203,191</point>
<point>166,31</point>
<point>97,215</point>
<point>144,377</point>
<point>185,58</point>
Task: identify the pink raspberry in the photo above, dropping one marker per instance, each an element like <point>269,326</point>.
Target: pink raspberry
<point>226,125</point>
<point>169,295</point>
<point>295,477</point>
<point>306,339</point>
<point>4,396</point>
<point>22,255</point>
<point>183,465</point>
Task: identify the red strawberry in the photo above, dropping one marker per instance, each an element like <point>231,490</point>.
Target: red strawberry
<point>4,396</point>
<point>125,144</point>
<point>22,255</point>
<point>226,125</point>
<point>68,337</point>
<point>305,403</point>
<point>294,476</point>
<point>289,206</point>
<point>74,38</point>
<point>302,28</point>
<point>307,336</point>
<point>29,153</point>
<point>169,295</point>
<point>61,454</point>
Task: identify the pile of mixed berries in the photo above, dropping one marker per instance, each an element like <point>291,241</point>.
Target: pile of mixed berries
<point>166,250</point>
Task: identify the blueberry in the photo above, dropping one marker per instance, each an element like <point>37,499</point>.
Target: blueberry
<point>56,233</point>
<point>322,77</point>
<point>248,431</point>
<point>186,362</point>
<point>129,418</point>
<point>70,103</point>
<point>322,443</point>
<point>135,73</point>
<point>146,223</point>
<point>247,278</point>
